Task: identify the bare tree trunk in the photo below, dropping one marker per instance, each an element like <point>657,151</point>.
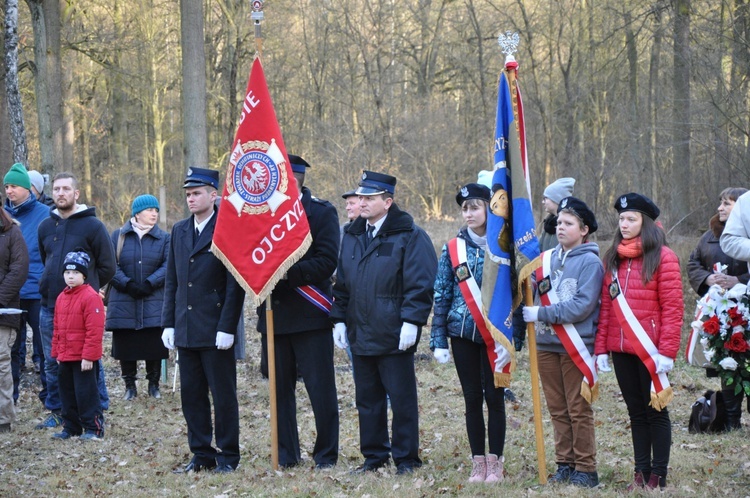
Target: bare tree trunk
<point>195,141</point>
<point>55,83</point>
<point>680,201</point>
<point>15,107</point>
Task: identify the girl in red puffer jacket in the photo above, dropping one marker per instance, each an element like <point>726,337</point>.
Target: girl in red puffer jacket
<point>640,323</point>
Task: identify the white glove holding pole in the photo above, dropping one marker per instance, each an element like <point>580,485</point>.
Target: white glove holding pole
<point>503,358</point>
<point>442,355</point>
<point>602,363</point>
<point>530,314</point>
<point>664,364</point>
<point>224,340</point>
<point>339,335</point>
<point>167,337</point>
<point>408,336</point>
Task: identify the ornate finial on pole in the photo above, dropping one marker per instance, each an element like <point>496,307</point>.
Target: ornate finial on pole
<point>509,44</point>
<point>257,17</point>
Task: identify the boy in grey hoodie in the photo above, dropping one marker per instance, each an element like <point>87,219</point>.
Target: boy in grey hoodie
<point>568,286</point>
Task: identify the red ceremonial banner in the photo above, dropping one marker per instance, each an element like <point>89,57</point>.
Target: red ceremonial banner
<point>261,229</point>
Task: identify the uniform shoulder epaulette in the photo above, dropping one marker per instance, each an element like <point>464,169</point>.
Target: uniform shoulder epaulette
<point>319,201</point>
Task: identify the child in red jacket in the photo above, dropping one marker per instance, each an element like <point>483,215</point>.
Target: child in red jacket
<point>77,347</point>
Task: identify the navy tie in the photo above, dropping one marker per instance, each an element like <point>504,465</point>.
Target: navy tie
<point>368,239</point>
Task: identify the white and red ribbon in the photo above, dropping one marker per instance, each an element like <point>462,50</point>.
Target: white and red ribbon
<point>661,390</point>
<point>569,335</point>
<point>473,296</point>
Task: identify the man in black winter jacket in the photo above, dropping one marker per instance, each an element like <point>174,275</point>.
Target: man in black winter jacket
<point>382,297</point>
<point>70,227</point>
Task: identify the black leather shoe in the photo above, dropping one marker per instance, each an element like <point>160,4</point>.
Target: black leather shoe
<point>369,467</point>
<point>194,466</point>
<point>407,468</point>
<point>153,391</point>
<point>224,469</point>
<point>130,394</point>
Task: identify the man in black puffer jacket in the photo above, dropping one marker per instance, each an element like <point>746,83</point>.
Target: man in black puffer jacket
<point>382,297</point>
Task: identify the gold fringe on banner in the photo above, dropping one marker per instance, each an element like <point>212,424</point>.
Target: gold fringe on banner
<point>257,299</point>
<point>503,379</point>
<point>523,274</point>
<point>659,401</point>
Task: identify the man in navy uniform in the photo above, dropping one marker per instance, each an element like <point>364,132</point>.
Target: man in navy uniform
<point>382,297</point>
<point>302,332</point>
<point>202,305</point>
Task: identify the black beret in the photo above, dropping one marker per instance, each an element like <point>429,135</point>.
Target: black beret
<point>350,193</point>
<point>472,191</point>
<point>637,202</point>
<point>581,210</point>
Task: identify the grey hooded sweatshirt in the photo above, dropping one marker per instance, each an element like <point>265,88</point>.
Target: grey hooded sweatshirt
<point>577,277</point>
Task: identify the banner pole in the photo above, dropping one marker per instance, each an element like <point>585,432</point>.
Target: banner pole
<point>272,385</point>
<point>535,393</point>
<point>257,17</point>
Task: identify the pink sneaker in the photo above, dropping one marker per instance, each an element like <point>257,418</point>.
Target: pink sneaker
<point>494,468</point>
<point>478,469</point>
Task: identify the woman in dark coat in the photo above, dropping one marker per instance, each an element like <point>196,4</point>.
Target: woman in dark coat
<point>701,274</point>
<point>14,268</point>
<point>135,300</point>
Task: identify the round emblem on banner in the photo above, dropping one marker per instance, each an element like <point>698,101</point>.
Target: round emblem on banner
<point>256,177</point>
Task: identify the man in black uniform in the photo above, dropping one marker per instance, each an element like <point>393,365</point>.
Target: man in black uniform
<point>382,297</point>
<point>202,304</point>
<point>302,332</point>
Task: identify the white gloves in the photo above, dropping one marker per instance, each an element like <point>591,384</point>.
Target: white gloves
<point>408,336</point>
<point>664,364</point>
<point>224,340</point>
<point>530,313</point>
<point>503,358</point>
<point>602,363</point>
<point>339,335</point>
<point>167,337</point>
<point>442,355</point>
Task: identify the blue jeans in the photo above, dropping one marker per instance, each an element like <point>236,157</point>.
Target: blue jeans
<point>52,401</point>
<point>30,317</point>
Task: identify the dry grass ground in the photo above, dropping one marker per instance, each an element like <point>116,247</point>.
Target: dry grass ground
<point>146,439</point>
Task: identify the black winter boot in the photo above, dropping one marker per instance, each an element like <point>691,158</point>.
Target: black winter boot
<point>153,372</point>
<point>733,408</point>
<point>129,369</point>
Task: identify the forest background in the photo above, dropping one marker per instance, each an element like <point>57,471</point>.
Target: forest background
<point>624,95</point>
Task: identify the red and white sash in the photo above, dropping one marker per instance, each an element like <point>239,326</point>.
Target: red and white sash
<point>568,334</point>
<point>473,296</point>
<point>661,390</point>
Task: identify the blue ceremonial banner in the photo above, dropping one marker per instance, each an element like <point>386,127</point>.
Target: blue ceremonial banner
<point>510,222</point>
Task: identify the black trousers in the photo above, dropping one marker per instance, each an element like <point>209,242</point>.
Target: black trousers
<point>79,397</point>
<point>215,371</point>
<point>374,377</point>
<point>651,430</point>
<point>309,354</point>
<point>478,386</point>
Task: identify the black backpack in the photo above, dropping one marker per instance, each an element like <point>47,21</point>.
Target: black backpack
<point>708,414</point>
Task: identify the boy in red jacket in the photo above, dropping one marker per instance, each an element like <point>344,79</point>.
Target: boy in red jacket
<point>77,347</point>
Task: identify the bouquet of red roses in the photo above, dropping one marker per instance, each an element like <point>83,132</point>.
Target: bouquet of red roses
<point>723,324</point>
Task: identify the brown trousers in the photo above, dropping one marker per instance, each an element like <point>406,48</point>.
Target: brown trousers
<point>572,416</point>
